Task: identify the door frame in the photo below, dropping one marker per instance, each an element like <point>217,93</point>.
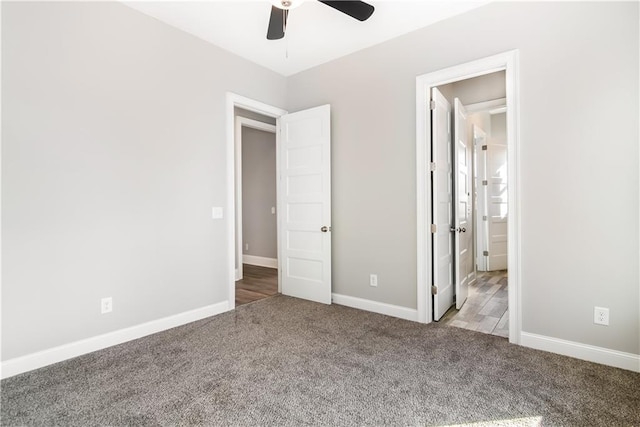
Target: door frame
<point>234,100</point>
<point>257,125</point>
<point>507,61</point>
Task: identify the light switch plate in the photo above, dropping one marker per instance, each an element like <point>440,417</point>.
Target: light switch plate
<point>216,213</point>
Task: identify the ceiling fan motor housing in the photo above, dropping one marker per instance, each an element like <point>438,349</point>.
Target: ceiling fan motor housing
<point>286,4</point>
<point>279,12</point>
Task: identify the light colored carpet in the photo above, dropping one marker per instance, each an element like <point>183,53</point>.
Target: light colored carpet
<point>287,362</point>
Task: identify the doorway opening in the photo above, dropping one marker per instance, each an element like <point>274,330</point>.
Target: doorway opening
<point>486,307</point>
<point>456,270</point>
<point>256,260</point>
<point>244,116</point>
<point>483,307</point>
<point>303,194</point>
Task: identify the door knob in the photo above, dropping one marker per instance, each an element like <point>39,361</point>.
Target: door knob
<point>459,229</point>
<point>463,230</point>
<point>324,229</point>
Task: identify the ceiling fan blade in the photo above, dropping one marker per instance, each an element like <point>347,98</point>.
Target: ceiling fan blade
<point>277,23</point>
<point>355,9</point>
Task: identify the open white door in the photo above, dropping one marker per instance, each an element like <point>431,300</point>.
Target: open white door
<point>305,204</point>
<point>497,207</point>
<point>482,215</point>
<point>463,224</point>
<point>441,206</point>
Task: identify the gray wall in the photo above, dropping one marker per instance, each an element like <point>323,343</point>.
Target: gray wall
<point>477,89</point>
<point>113,153</point>
<point>241,112</point>
<point>254,116</point>
<point>499,128</point>
<point>259,228</point>
<point>579,139</point>
<point>481,88</point>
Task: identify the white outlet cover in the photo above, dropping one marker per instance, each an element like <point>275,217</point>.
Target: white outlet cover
<point>601,316</point>
<point>106,305</point>
<point>373,280</point>
<point>216,212</point>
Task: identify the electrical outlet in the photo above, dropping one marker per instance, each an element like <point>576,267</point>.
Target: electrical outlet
<point>217,212</point>
<point>601,316</point>
<point>373,280</point>
<point>246,246</point>
<point>106,305</point>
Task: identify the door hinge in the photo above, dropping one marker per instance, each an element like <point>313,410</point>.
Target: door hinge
<point>485,253</point>
<point>432,167</point>
<point>433,228</point>
<point>432,104</point>
<point>434,290</point>
<point>484,148</point>
<point>485,182</point>
<point>484,217</point>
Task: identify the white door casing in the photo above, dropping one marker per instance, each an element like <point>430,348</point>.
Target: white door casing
<point>305,204</point>
<point>508,61</point>
<point>463,225</point>
<point>497,206</point>
<point>442,205</point>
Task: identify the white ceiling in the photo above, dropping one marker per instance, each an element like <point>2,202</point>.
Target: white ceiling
<point>315,32</point>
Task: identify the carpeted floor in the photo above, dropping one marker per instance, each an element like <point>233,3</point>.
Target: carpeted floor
<point>287,362</point>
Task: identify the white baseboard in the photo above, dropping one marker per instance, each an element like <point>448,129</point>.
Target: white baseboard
<point>260,261</point>
<point>43,358</point>
<point>376,307</point>
<point>587,352</point>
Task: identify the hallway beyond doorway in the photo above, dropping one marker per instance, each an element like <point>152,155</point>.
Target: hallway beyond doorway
<point>486,308</point>
<point>257,283</point>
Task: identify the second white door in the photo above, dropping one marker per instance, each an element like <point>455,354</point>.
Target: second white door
<point>497,207</point>
<point>442,208</point>
<point>463,223</point>
<point>305,204</point>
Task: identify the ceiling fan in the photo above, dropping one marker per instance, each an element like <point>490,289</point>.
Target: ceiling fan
<point>280,11</point>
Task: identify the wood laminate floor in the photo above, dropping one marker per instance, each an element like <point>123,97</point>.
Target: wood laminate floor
<point>486,308</point>
<point>257,283</point>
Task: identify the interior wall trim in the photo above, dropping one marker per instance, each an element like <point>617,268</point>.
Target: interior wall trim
<point>260,261</point>
<point>376,307</point>
<point>604,356</point>
<point>57,354</point>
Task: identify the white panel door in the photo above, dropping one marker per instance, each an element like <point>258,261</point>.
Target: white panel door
<point>441,204</point>
<point>462,205</point>
<point>482,215</point>
<point>305,210</point>
<point>497,206</point>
